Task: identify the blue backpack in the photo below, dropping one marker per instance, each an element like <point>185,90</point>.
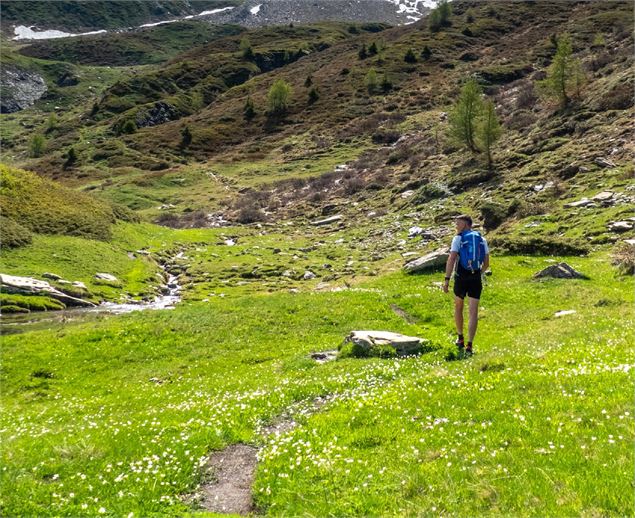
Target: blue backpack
<point>471,251</point>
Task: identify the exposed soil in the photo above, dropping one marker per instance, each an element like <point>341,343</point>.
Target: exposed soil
<point>403,314</point>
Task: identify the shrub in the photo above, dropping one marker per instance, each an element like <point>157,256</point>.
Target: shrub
<point>71,158</point>
<point>410,57</point>
<point>37,145</point>
<point>313,95</point>
<point>279,97</point>
<point>12,234</point>
<point>431,191</point>
<point>249,111</point>
<point>426,53</point>
<point>363,53</point>
<point>493,214</point>
<point>371,81</point>
<point>129,127</point>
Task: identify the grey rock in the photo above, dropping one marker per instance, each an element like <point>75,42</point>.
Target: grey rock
<point>20,89</point>
<point>580,203</point>
<point>603,162</point>
<point>52,276</point>
<point>402,344</point>
<point>560,271</point>
<point>106,277</point>
<point>308,275</point>
<point>327,221</point>
<point>603,196</point>
<point>30,286</point>
<point>160,113</point>
<point>80,285</point>
<point>427,262</point>
<point>620,226</point>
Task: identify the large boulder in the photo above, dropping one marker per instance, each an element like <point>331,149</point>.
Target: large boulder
<point>560,271</point>
<point>30,286</point>
<point>20,88</point>
<point>380,343</point>
<point>429,261</point>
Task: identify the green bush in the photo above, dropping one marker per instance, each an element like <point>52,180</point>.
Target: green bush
<point>431,191</point>
<point>12,234</point>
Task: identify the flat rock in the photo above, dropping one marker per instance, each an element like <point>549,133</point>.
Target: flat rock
<point>30,286</point>
<point>580,203</point>
<point>327,221</point>
<point>603,196</point>
<point>52,276</point>
<point>620,226</point>
<point>603,162</point>
<point>403,344</point>
<point>427,262</point>
<point>106,277</point>
<point>564,313</point>
<point>560,271</point>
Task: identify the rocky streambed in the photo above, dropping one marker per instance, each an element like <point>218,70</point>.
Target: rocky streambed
<point>78,308</point>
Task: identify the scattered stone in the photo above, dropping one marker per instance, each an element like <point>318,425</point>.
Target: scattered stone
<point>327,221</point>
<point>408,254</point>
<point>603,196</point>
<point>142,252</point>
<point>415,231</point>
<point>366,341</point>
<point>308,275</point>
<point>276,250</point>
<point>620,226</point>
<point>406,194</point>
<point>80,285</point>
<point>630,242</point>
<point>324,356</point>
<point>230,242</point>
<point>580,203</point>
<point>427,262</point>
<point>30,286</point>
<point>560,271</point>
<point>167,206</point>
<point>106,277</point>
<point>52,276</point>
<point>565,312</point>
<point>603,162</point>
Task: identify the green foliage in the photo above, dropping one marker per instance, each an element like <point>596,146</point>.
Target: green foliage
<point>386,83</point>
<point>372,49</point>
<point>186,137</point>
<point>464,114</point>
<point>426,53</point>
<point>488,130</point>
<point>410,57</point>
<point>37,145</point>
<point>246,49</point>
<point>313,95</point>
<point>51,123</point>
<point>249,111</point>
<point>565,75</point>
<point>279,97</point>
<point>71,158</point>
<point>30,302</point>
<point>44,206</point>
<point>598,41</point>
<point>308,81</point>
<point>362,53</point>
<point>129,127</point>
<point>371,81</point>
<point>440,16</point>
<point>12,234</point>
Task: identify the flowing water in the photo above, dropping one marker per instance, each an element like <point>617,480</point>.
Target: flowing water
<point>14,323</point>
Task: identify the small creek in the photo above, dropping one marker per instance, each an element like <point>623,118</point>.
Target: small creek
<point>14,323</point>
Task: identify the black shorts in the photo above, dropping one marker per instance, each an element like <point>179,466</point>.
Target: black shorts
<point>469,284</point>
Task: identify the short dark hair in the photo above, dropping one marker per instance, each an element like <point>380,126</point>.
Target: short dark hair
<point>465,218</point>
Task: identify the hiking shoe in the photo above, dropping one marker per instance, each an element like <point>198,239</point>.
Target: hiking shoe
<point>468,352</point>
<point>460,344</point>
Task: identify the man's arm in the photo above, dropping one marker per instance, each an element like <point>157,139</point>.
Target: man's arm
<point>485,263</point>
<point>449,268</point>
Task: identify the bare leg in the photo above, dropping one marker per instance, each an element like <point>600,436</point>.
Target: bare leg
<point>458,314</point>
<point>473,322</point>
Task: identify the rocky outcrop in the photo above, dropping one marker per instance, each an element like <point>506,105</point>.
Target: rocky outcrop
<point>19,89</point>
<point>30,286</point>
<point>427,262</point>
<point>160,113</point>
<point>373,343</point>
<point>560,271</point>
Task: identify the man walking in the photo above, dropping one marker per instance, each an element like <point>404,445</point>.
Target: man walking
<point>470,254</point>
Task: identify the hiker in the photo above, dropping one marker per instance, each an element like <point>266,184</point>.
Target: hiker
<point>469,257</point>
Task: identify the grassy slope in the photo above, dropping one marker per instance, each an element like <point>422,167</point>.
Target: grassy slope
<point>538,422</point>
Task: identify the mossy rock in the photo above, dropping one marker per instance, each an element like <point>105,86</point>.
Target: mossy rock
<point>13,309</point>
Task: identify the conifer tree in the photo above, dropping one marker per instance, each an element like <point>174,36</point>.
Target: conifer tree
<point>488,130</point>
<point>371,81</point>
<point>463,116</point>
<point>249,111</point>
<point>279,97</point>
<point>564,74</point>
<point>410,57</point>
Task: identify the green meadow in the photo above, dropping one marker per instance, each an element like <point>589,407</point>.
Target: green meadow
<point>117,417</point>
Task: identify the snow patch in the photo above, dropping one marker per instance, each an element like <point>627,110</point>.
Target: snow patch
<point>22,32</point>
<point>255,9</point>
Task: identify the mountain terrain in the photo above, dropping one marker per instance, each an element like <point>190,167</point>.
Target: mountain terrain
<point>147,163</point>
